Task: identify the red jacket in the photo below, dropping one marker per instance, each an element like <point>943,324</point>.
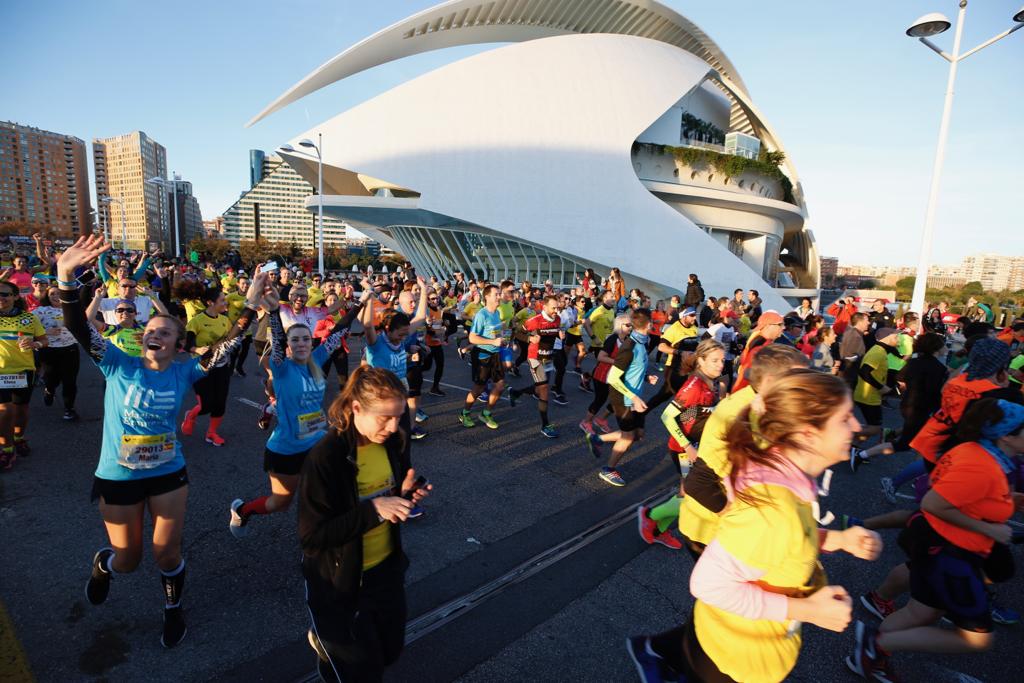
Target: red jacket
<point>842,315</point>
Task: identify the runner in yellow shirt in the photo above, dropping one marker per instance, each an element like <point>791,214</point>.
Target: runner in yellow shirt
<point>21,333</point>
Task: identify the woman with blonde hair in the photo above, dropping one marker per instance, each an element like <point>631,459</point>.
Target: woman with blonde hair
<point>760,578</point>
<point>356,490</point>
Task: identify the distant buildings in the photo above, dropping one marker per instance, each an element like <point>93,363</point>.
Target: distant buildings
<point>44,181</point>
<point>829,269</point>
<point>994,271</point>
<point>214,229</point>
<point>122,165</point>
<point>274,208</point>
<point>190,218</point>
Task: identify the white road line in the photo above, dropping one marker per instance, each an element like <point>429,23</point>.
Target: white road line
<point>254,404</point>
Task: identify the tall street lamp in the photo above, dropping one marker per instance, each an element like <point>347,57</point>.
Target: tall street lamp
<point>922,29</point>
<point>157,180</point>
<point>319,190</point>
<point>124,220</point>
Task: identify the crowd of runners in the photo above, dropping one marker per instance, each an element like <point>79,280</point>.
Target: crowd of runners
<point>758,404</point>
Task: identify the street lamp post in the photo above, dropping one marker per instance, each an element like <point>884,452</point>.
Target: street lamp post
<point>124,220</point>
<point>925,27</point>
<point>319,190</point>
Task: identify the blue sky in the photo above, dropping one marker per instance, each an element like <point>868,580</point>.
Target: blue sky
<point>856,103</point>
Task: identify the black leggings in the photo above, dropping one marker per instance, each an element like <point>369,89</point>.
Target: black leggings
<point>561,361</point>
<point>59,365</point>
<point>667,391</point>
<point>682,651</point>
<point>239,355</point>
<point>212,391</point>
<point>600,396</point>
<point>435,359</point>
<point>340,361</point>
<point>360,639</point>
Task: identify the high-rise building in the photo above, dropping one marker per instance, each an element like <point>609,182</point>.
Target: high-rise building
<point>995,272</point>
<point>829,269</point>
<point>274,209</point>
<point>44,181</point>
<point>190,219</point>
<point>256,166</point>
<point>122,166</point>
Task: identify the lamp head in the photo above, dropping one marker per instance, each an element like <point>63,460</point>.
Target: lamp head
<point>1019,16</point>
<point>929,25</point>
<point>306,142</point>
<point>286,148</point>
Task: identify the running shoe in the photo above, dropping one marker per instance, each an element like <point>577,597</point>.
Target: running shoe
<point>878,606</point>
<point>237,525</point>
<point>421,416</point>
<point>435,391</point>
<point>21,448</point>
<point>188,425</point>
<point>461,350</point>
<point>846,521</point>
<point>585,385</point>
<point>866,661</point>
<point>515,372</point>
<point>263,421</point>
<point>70,415</point>
<point>513,396</point>
<point>666,539</point>
<point>1005,616</point>
<point>611,476</point>
<point>888,490</point>
<point>651,668</point>
<point>856,458</point>
<point>98,588</point>
<point>47,398</point>
<point>647,527</point>
<point>417,511</point>
<point>594,444</point>
<point>586,427</point>
<point>549,431</point>
<point>602,424</point>
<point>215,439</point>
<point>417,433</point>
<point>174,627</point>
<point>488,420</point>
<point>483,396</point>
<point>466,420</point>
<point>559,398</point>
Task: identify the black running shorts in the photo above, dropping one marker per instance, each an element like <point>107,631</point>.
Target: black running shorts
<point>487,367</point>
<point>279,463</point>
<point>134,491</point>
<point>20,396</point>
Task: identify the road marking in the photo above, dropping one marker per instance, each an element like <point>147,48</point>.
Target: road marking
<point>438,617</point>
<point>254,404</point>
<point>456,386</point>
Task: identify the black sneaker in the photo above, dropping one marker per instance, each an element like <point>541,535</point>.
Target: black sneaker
<point>585,385</point>
<point>47,398</point>
<point>559,398</point>
<point>98,588</point>
<point>435,391</point>
<point>70,415</point>
<point>174,627</point>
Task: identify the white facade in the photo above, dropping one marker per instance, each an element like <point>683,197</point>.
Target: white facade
<point>534,171</point>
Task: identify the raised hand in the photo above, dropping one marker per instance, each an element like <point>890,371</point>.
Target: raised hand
<point>84,251</point>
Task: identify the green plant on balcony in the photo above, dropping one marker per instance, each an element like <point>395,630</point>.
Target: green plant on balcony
<point>694,128</point>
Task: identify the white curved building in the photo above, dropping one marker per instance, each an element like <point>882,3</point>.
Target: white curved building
<point>591,140</point>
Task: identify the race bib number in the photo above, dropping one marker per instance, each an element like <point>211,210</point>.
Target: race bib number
<point>312,423</point>
<point>14,380</point>
<point>146,451</point>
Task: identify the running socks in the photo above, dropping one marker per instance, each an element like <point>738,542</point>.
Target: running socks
<point>189,423</point>
<point>174,622</point>
<point>211,433</point>
<point>255,507</point>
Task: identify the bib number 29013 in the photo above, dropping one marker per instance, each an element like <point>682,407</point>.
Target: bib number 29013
<point>146,451</point>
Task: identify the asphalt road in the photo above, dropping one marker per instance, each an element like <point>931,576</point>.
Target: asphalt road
<point>511,607</point>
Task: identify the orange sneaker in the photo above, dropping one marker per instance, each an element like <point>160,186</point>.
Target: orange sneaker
<point>214,438</point>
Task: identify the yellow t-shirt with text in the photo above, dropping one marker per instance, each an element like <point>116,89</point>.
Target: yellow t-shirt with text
<point>375,480</point>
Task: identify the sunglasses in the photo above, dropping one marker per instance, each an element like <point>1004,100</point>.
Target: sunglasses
<point>124,311</point>
<point>7,295</point>
<point>127,286</point>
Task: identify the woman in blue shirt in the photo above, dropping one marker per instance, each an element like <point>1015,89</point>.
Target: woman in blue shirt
<point>298,384</point>
<point>141,463</point>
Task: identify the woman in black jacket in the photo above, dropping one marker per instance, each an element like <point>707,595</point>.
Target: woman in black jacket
<point>356,489</point>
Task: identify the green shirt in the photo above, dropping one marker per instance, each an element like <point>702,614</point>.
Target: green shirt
<point>875,359</point>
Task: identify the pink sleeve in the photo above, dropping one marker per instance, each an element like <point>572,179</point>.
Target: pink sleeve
<point>722,581</point>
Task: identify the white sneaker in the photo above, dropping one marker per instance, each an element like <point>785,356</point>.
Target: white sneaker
<point>889,490</point>
<point>237,526</point>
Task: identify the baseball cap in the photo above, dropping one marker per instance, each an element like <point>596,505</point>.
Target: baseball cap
<point>792,321</point>
<point>884,332</point>
<point>689,310</point>
<point>768,318</point>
